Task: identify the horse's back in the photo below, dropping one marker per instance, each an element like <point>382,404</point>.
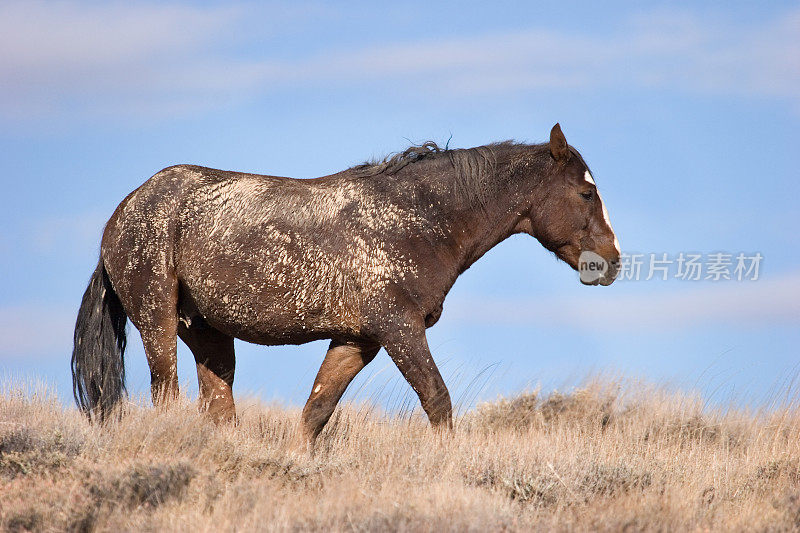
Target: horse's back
<point>183,191</point>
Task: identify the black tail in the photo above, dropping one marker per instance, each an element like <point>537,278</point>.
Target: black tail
<point>98,363</point>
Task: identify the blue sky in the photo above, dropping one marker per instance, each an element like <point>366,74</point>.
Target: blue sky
<point>688,114</point>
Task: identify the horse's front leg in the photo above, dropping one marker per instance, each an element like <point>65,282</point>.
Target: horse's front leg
<point>341,364</point>
<point>408,348</point>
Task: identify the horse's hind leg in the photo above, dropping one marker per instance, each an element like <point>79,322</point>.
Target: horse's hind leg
<point>213,353</point>
<point>157,321</point>
<point>160,349</point>
<point>341,364</point>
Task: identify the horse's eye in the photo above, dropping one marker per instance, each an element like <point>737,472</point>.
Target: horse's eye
<point>587,195</point>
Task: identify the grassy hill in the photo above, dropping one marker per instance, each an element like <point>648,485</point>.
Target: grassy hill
<point>606,457</point>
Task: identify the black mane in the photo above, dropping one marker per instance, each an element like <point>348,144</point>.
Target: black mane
<point>472,165</point>
<point>393,163</point>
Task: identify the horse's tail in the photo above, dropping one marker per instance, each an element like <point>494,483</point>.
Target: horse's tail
<point>98,364</point>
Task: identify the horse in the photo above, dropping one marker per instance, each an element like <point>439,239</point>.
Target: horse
<point>363,257</point>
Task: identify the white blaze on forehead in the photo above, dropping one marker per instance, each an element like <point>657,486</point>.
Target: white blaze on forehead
<point>608,223</point>
<point>588,177</point>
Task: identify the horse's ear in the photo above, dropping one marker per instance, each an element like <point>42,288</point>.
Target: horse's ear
<point>558,144</point>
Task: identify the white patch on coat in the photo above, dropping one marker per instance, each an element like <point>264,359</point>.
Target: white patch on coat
<point>588,177</point>
<point>608,223</point>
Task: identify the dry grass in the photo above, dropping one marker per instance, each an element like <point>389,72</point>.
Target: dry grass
<point>602,458</point>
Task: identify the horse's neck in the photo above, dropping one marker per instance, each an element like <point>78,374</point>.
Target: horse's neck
<point>462,231</point>
<point>476,230</point>
<point>481,232</point>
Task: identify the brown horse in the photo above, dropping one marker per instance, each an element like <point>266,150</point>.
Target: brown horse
<point>364,257</point>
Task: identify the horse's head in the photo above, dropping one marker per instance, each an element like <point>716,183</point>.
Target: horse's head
<point>568,216</point>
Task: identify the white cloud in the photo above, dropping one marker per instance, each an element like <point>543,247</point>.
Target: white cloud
<point>162,60</point>
<point>673,50</point>
<point>54,54</point>
<point>765,302</point>
<point>70,35</point>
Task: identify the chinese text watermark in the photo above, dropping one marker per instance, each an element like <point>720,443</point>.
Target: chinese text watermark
<point>687,266</point>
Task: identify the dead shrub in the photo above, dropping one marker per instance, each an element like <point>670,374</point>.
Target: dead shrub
<point>785,468</point>
<point>696,428</point>
<point>610,480</point>
<point>591,407</point>
<point>536,488</point>
<point>144,485</point>
<point>24,450</point>
<point>26,520</point>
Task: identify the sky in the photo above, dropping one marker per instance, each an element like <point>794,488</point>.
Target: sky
<point>688,114</point>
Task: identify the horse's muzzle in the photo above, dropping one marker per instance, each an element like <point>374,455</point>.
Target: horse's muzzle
<point>611,274</point>
<point>594,269</point>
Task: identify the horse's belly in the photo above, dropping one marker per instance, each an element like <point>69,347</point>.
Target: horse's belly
<point>271,315</point>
